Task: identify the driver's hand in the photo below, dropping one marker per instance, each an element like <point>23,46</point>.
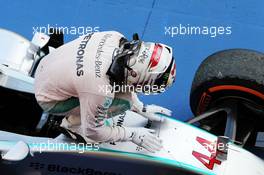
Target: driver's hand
<point>151,111</point>
<point>145,138</point>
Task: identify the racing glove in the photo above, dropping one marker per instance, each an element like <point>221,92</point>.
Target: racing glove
<point>149,111</point>
<point>145,138</point>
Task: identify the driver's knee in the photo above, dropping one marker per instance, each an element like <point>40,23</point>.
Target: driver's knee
<point>47,106</point>
<point>60,107</point>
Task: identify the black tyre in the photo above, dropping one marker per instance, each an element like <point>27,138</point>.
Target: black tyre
<point>230,74</point>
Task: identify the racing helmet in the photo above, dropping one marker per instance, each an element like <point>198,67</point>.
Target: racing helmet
<point>146,65</point>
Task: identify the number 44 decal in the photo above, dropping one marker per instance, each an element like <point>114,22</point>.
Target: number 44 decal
<point>211,161</point>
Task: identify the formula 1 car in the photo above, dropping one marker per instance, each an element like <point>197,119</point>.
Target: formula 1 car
<point>225,136</point>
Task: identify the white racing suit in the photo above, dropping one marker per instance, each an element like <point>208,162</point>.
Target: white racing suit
<point>72,81</point>
<point>75,74</point>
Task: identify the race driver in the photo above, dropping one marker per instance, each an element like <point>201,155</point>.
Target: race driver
<point>79,80</point>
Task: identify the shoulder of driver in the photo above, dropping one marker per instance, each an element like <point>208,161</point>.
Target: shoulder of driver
<point>93,57</point>
<point>78,67</point>
<point>100,51</point>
